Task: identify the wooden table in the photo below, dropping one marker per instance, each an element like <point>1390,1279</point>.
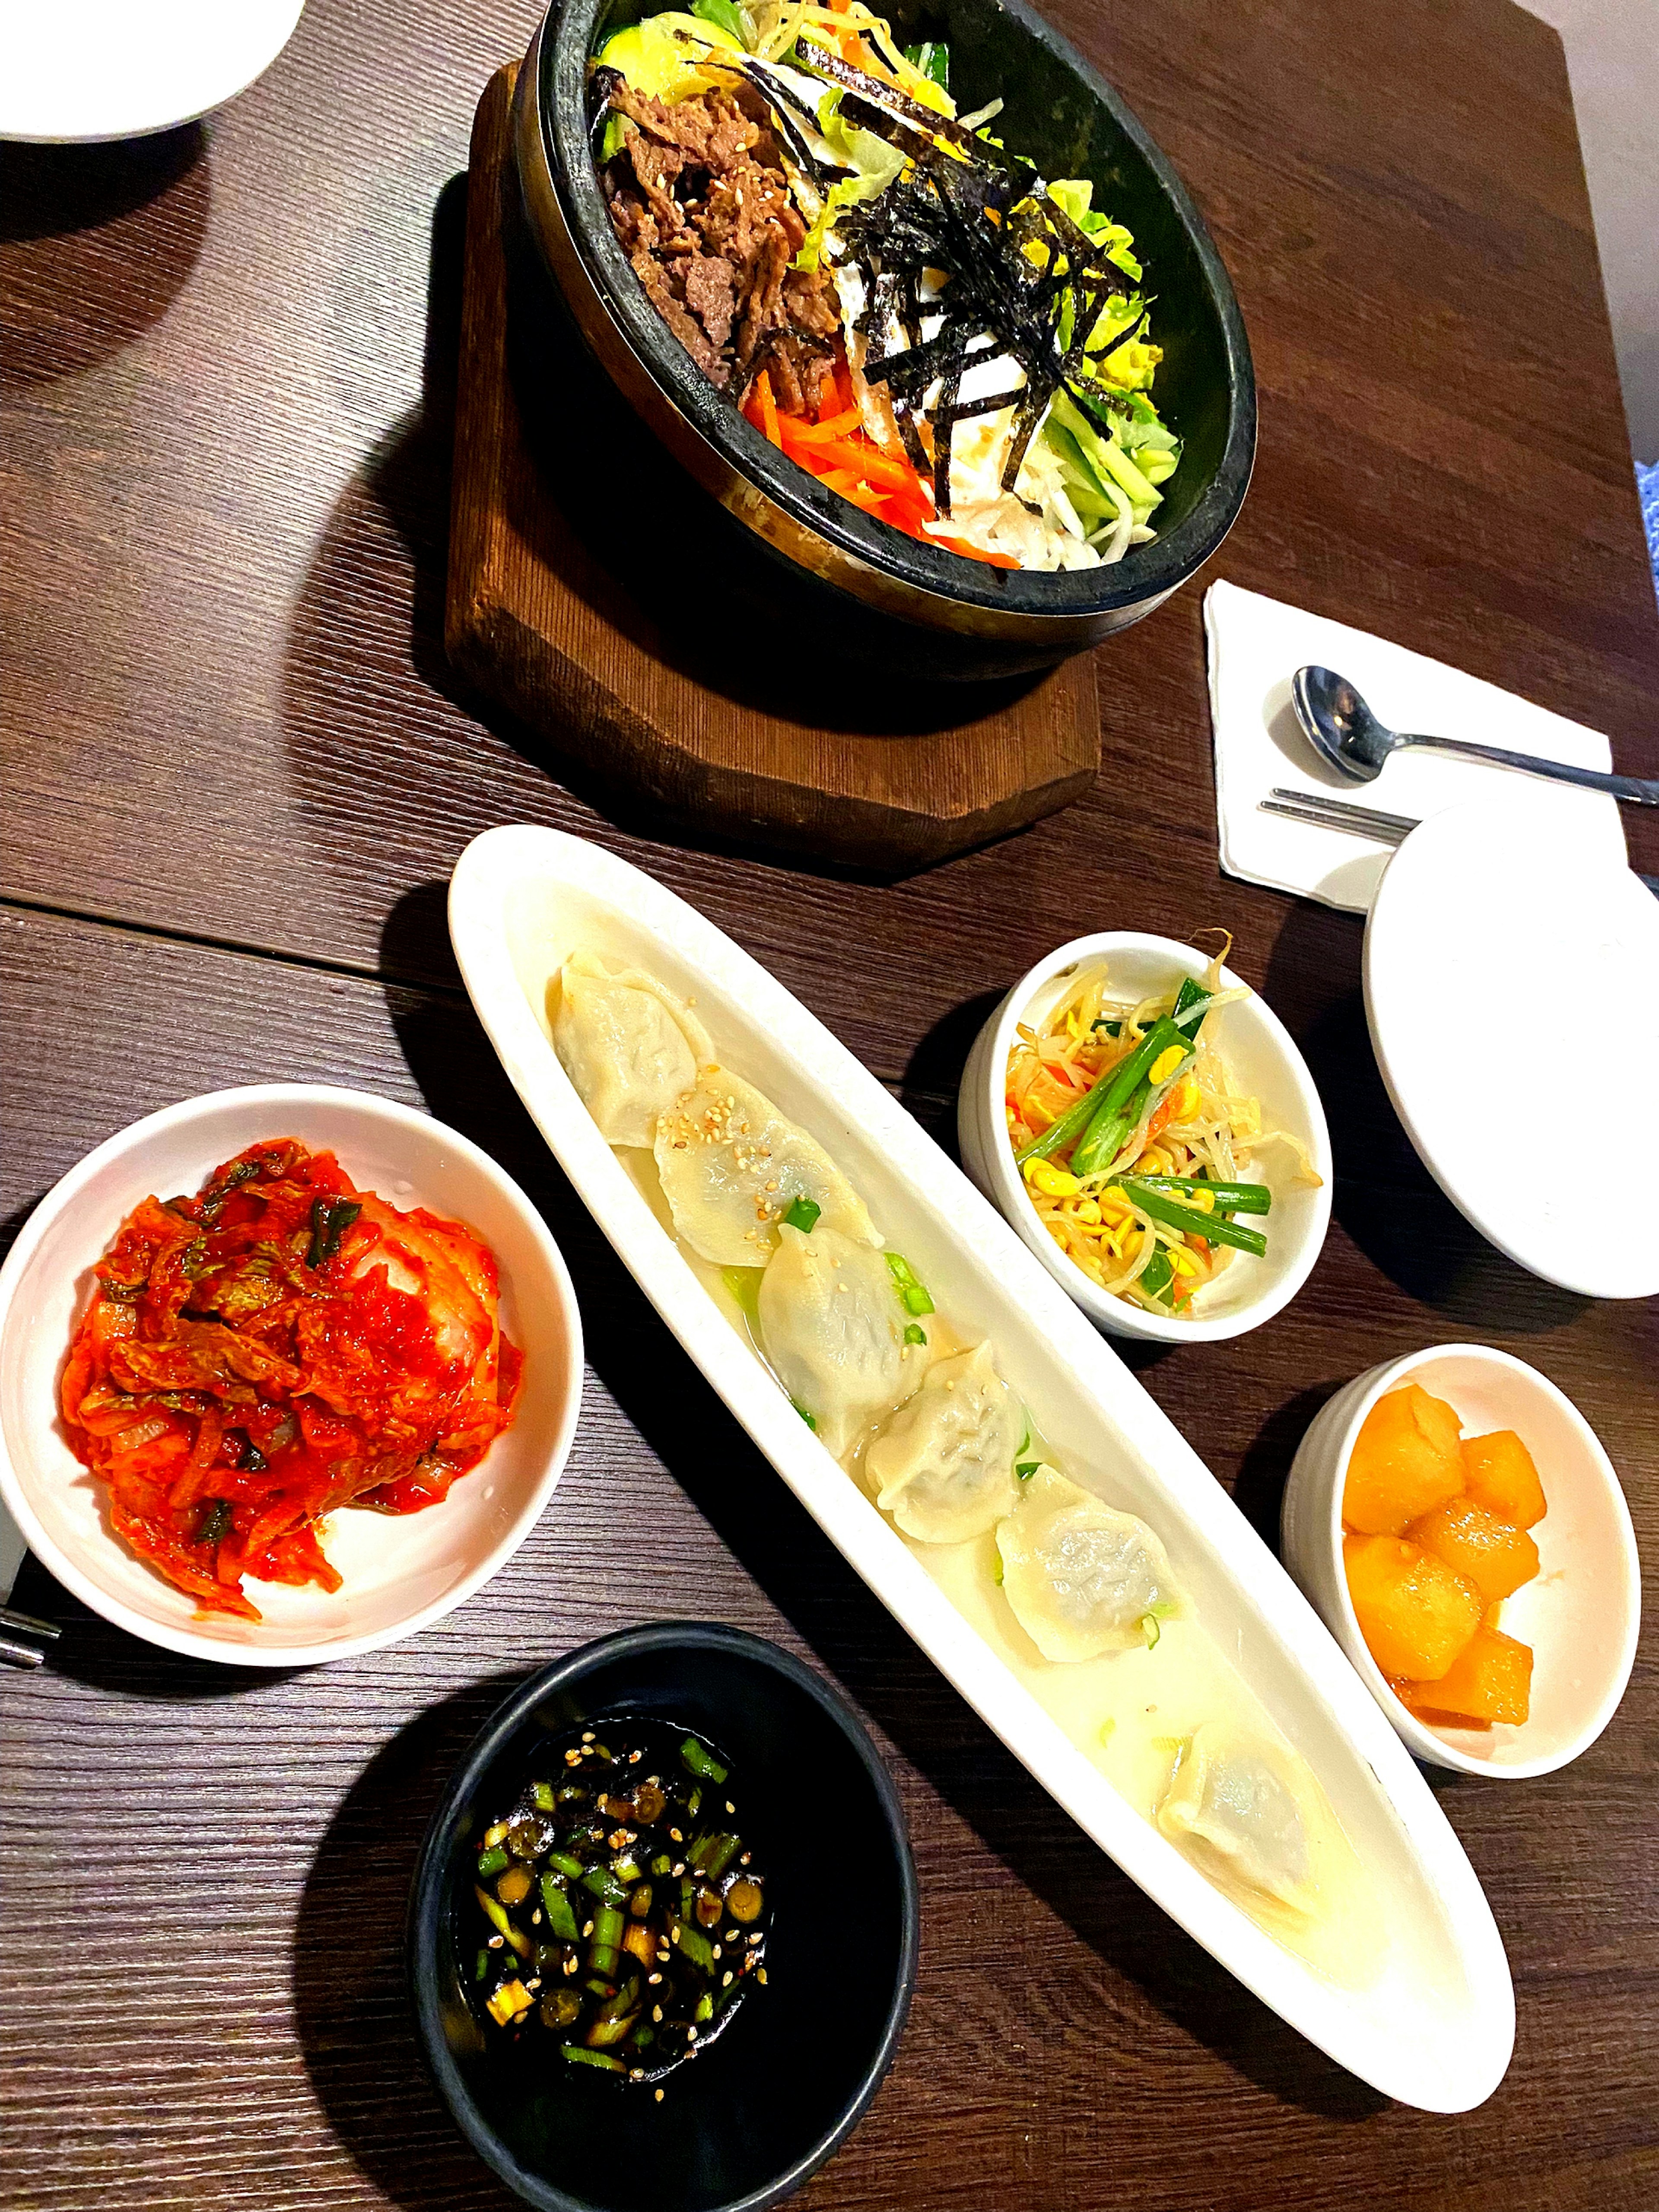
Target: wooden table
<point>239,772</point>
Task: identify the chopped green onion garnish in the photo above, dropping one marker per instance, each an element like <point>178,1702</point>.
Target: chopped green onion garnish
<point>913,1334</point>
<point>801,1213</point>
<point>700,1760</point>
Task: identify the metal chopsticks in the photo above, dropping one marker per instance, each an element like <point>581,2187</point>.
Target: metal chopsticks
<point>14,1627</point>
<point>1326,812</point>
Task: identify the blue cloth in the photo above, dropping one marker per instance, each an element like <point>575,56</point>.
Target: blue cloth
<point>1647,483</point>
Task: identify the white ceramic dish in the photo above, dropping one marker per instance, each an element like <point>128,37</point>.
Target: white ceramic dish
<point>1582,1614</point>
<point>1265,1058</point>
<point>401,1573</point>
<point>1491,946</point>
<point>1436,2027</point>
<point>119,68</point>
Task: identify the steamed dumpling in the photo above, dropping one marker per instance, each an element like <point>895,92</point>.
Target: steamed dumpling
<point>730,1165</point>
<point>944,1465</point>
<point>629,1046</point>
<point>1235,1807</point>
<point>833,1328</point>
<point>1080,1577</point>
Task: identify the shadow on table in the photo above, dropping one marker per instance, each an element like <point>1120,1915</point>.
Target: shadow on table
<point>351,2001</point>
<point>853,1635</point>
<point>107,234</point>
<point>1384,1197</point>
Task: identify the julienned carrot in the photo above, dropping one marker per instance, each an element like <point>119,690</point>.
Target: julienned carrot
<point>972,552</point>
<point>768,408</point>
<point>833,426</point>
<point>851,464</point>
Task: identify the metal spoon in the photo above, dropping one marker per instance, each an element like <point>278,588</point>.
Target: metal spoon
<point>1342,730</point>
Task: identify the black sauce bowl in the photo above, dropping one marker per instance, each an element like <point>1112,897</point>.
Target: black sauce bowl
<point>911,605</point>
<point>780,2090</point>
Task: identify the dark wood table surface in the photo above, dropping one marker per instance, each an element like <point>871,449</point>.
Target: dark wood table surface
<point>238,772</point>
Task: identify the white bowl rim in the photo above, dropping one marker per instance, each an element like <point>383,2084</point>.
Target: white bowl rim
<point>1108,1312</point>
<point>1423,1741</point>
<point>180,1115</point>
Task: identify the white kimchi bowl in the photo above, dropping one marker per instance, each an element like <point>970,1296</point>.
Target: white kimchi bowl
<point>1263,1056</point>
<point>401,1573</point>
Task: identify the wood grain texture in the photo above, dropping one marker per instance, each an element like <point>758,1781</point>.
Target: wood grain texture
<point>622,654</point>
<point>225,419</point>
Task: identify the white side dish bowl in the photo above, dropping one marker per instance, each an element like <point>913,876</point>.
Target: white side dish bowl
<point>1582,1612</point>
<point>1264,1058</point>
<point>1490,937</point>
<point>401,1572</point>
<point>86,70</point>
<point>1431,2020</point>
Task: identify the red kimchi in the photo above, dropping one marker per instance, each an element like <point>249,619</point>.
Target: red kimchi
<point>279,1346</point>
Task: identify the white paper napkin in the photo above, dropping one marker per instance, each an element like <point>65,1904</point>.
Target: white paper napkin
<point>1256,645</point>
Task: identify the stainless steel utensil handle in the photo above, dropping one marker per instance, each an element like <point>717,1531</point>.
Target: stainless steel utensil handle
<point>15,1653</point>
<point>1636,789</point>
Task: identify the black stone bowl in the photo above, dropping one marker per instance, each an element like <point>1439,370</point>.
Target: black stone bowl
<point>795,2071</point>
<point>864,587</point>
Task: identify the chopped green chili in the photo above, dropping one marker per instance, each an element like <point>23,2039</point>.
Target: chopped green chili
<point>216,1522</point>
<point>699,1760</point>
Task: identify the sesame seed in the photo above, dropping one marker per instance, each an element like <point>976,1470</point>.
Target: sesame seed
<point>654,1978</point>
<point>761,1974</point>
<point>573,1759</point>
<point>730,1806</point>
<point>656,2011</point>
<point>755,1936</point>
<point>690,2034</point>
<point>638,2074</point>
<point>658,2096</point>
<point>536,1917</point>
<point>743,1859</point>
<point>587,1927</point>
<point>676,1836</point>
<point>679,1867</point>
<point>725,1979</point>
<point>634,1757</point>
<point>570,1966</point>
<point>731,1936</point>
<point>495,1943</point>
<point>534,1982</point>
<point>587,1735</point>
<point>715,1953</point>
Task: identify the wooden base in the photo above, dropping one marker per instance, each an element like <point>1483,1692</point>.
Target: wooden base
<point>599,594</point>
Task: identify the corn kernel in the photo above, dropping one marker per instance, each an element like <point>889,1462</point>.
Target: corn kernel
<point>1165,1064</point>
<point>1184,1100</point>
<point>1183,1262</point>
<point>1052,1182</point>
<point>1089,1211</point>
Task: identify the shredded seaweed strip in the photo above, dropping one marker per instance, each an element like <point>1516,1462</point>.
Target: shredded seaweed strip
<point>1021,279</point>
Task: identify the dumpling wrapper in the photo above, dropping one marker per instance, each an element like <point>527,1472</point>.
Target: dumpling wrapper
<point>630,1046</point>
<point>943,1465</point>
<point>731,1165</point>
<point>1081,1577</point>
<point>832,1325</point>
<point>1235,1809</point>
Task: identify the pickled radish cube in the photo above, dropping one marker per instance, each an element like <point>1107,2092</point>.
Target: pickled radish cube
<point>1499,1474</point>
<point>1490,1680</point>
<point>1492,1553</point>
<point>1415,1613</point>
<point>1406,1459</point>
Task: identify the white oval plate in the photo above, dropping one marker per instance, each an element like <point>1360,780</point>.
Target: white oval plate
<point>1512,990</point>
<point>78,70</point>
<point>1436,2027</point>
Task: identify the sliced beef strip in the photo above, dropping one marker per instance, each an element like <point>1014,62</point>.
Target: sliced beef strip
<point>711,292</point>
<point>700,205</point>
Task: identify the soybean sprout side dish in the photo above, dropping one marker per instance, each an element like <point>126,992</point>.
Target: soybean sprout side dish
<point>907,308</point>
<point>1137,1147</point>
<point>620,1910</point>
